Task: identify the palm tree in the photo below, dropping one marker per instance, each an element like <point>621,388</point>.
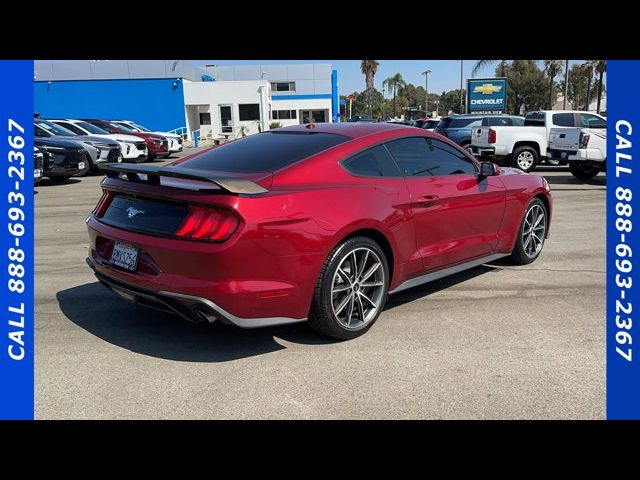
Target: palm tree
<point>552,68</point>
<point>392,84</point>
<point>600,68</point>
<point>589,66</point>
<point>480,64</point>
<point>369,69</point>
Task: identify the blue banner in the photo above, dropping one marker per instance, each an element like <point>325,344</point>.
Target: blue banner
<point>486,95</point>
<point>16,240</point>
<point>623,241</point>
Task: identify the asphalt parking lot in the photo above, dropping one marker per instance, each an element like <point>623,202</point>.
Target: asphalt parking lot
<point>496,342</point>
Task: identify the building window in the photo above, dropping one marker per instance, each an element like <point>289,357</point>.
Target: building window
<point>283,115</point>
<point>283,86</point>
<point>205,119</point>
<point>249,111</point>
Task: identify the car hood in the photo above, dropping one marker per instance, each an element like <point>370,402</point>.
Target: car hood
<point>88,138</point>
<point>165,134</point>
<point>57,142</point>
<point>125,138</point>
<point>511,171</point>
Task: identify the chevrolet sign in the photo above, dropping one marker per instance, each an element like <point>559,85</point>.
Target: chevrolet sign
<point>487,95</point>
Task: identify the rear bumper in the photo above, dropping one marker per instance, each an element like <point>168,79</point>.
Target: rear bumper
<point>189,307</point>
<point>483,151</point>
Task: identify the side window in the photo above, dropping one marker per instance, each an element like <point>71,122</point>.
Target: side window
<point>374,162</point>
<point>448,160</point>
<point>424,157</point>
<point>563,119</point>
<point>411,156</point>
<point>591,121</point>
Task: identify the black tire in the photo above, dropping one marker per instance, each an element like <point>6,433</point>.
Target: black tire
<point>322,317</point>
<point>583,171</point>
<point>519,256</point>
<point>528,152</point>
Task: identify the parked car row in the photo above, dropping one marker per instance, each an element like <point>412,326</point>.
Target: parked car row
<point>71,147</point>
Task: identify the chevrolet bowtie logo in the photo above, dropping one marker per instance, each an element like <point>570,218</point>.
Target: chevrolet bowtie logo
<point>487,89</point>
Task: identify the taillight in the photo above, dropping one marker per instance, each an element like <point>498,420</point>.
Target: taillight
<point>584,140</point>
<point>210,224</point>
<point>492,136</point>
<point>103,204</point>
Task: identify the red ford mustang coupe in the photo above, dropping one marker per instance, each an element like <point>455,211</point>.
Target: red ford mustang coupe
<point>315,222</point>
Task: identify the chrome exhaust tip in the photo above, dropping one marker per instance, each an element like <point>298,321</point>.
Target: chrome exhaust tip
<point>204,316</point>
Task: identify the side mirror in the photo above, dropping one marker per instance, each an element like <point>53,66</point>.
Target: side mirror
<point>488,169</point>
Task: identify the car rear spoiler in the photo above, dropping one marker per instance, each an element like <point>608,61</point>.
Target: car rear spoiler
<point>152,173</point>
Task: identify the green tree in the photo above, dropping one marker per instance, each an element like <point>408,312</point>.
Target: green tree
<point>579,82</point>
<point>361,104</point>
<point>553,68</point>
<point>480,64</point>
<point>450,101</point>
<point>392,84</point>
<point>369,68</point>
<point>526,86</point>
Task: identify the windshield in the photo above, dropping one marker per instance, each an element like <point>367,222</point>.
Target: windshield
<point>54,129</point>
<point>91,128</point>
<point>121,126</point>
<point>140,127</point>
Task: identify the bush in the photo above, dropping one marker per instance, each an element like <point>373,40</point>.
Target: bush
<point>273,125</point>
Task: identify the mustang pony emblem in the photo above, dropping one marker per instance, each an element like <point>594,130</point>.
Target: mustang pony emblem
<point>132,212</point>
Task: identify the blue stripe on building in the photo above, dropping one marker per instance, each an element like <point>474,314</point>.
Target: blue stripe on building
<point>157,104</point>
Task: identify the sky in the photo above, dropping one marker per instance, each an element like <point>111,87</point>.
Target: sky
<point>444,76</point>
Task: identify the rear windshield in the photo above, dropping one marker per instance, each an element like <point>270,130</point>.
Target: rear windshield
<point>264,152</point>
<point>535,119</point>
<point>500,121</point>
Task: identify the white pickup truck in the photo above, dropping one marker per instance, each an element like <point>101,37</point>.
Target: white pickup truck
<point>584,149</point>
<point>525,146</point>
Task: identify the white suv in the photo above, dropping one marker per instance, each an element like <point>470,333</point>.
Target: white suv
<point>175,140</point>
<point>134,149</point>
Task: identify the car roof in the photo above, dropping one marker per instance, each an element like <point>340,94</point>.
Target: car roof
<point>348,129</point>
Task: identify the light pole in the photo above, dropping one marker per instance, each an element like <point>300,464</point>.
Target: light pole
<point>461,71</point>
<point>426,91</point>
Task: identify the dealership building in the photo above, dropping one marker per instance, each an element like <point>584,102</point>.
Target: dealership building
<point>164,95</point>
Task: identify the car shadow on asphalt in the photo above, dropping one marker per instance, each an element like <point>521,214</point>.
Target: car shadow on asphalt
<point>158,334</point>
<point>163,335</point>
<point>568,179</point>
<point>430,288</point>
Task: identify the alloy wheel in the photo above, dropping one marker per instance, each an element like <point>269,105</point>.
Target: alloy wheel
<point>525,160</point>
<point>533,230</point>
<point>357,288</point>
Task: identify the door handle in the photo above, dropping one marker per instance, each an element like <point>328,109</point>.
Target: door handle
<point>427,201</point>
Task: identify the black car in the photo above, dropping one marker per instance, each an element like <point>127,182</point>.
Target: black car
<point>99,150</point>
<point>62,158</point>
<point>38,166</point>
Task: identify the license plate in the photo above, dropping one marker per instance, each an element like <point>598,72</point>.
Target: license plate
<point>37,173</point>
<point>125,256</point>
<point>81,165</point>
